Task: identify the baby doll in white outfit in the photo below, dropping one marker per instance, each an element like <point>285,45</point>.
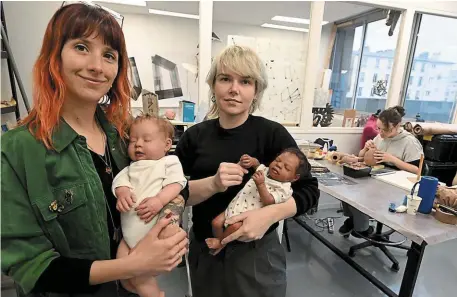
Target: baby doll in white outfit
<point>268,185</point>
<point>150,182</point>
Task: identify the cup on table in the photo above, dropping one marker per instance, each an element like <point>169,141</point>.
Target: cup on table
<point>412,204</point>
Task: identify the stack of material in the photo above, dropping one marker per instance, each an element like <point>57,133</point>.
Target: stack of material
<point>420,129</point>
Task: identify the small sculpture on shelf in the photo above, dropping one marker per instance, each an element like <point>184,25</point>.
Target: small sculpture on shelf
<point>323,116</point>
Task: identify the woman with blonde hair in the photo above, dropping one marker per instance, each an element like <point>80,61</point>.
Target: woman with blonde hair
<point>253,262</point>
<point>60,227</point>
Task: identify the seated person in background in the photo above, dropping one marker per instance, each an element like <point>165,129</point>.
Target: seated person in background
<point>370,130</point>
<point>144,187</point>
<point>393,147</point>
<point>269,185</point>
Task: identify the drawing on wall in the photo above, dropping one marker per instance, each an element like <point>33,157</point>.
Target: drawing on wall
<point>135,79</point>
<point>160,65</point>
<point>285,67</point>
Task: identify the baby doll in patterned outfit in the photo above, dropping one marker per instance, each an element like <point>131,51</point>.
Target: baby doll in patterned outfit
<point>268,185</point>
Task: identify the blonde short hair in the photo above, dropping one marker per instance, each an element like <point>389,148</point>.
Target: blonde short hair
<point>244,62</point>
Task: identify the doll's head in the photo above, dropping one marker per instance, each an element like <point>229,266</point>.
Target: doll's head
<point>150,138</point>
<point>289,165</point>
<point>369,159</point>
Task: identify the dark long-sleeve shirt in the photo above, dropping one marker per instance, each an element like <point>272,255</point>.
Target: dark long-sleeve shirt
<point>204,146</point>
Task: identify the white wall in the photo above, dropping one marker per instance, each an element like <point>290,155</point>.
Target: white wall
<point>26,23</point>
<point>224,29</point>
<point>173,38</point>
<point>176,39</point>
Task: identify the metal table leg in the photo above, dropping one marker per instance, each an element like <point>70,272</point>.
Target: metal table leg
<point>413,264</point>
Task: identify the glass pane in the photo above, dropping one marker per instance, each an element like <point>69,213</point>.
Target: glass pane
<point>377,60</point>
<point>345,66</point>
<point>432,86</point>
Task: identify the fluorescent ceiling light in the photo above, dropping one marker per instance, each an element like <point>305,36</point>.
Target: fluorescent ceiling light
<point>175,14</point>
<point>293,20</point>
<point>126,2</point>
<point>266,25</point>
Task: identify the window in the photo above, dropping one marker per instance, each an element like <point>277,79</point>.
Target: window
<point>414,65</point>
<point>362,86</point>
<point>438,59</point>
<point>411,80</point>
<point>375,77</point>
<point>359,92</point>
<point>407,95</point>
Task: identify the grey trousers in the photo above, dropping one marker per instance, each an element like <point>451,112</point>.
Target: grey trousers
<point>253,269</point>
<point>361,220</point>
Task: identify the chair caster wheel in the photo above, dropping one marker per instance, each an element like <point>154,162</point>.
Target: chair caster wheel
<point>351,253</point>
<point>395,267</point>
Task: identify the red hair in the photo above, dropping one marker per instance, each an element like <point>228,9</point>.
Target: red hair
<point>72,22</point>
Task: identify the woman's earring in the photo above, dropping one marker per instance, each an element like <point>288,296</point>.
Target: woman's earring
<point>213,98</point>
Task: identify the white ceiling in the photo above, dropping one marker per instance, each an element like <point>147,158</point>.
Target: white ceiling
<point>248,12</point>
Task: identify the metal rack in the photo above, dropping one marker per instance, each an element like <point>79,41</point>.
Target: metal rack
<point>13,72</point>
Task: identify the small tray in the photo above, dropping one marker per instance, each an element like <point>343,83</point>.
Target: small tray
<point>356,171</point>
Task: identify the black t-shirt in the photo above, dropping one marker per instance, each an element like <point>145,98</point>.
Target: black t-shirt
<point>204,146</point>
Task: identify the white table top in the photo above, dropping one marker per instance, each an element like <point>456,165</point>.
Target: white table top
<point>373,198</point>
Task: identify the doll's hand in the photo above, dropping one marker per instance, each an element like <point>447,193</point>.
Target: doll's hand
<point>247,161</point>
<point>148,208</point>
<point>125,199</point>
<point>258,178</point>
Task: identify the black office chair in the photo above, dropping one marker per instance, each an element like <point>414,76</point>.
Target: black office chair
<point>380,240</point>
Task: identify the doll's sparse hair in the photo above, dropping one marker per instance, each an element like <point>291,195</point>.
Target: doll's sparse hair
<point>164,125</point>
<point>303,167</point>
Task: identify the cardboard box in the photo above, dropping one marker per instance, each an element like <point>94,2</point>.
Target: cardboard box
<point>150,103</point>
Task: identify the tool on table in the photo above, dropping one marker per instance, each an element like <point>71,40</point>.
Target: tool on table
<point>445,208</point>
<point>419,173</point>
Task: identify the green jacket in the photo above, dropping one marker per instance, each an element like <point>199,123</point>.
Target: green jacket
<point>52,201</point>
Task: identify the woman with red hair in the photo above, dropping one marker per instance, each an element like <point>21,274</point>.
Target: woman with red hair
<point>60,227</point>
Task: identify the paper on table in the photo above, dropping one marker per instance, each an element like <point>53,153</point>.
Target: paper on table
<point>398,179</point>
